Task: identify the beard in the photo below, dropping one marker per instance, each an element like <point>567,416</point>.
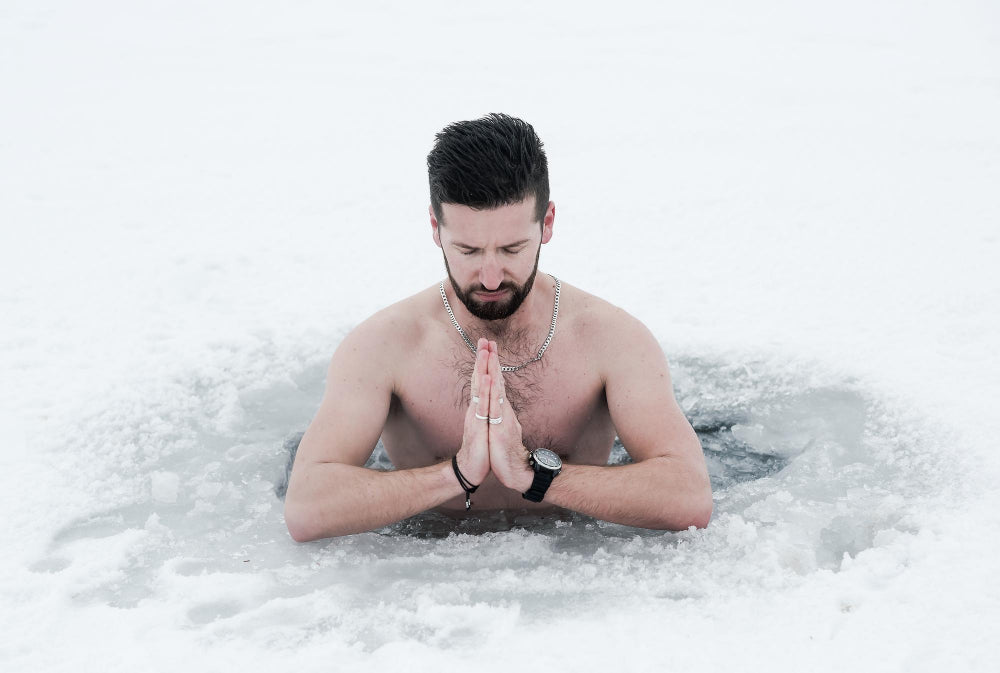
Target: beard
<point>494,310</point>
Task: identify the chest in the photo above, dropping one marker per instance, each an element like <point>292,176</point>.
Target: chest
<point>559,402</point>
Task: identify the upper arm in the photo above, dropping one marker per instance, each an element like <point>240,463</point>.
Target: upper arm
<point>641,399</point>
<point>355,405</point>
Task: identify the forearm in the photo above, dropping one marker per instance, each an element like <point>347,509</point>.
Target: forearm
<point>654,493</point>
<point>331,499</point>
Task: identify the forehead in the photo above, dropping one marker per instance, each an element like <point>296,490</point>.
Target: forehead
<point>475,227</point>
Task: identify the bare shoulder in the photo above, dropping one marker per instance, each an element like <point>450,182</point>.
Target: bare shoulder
<point>606,332</point>
<point>384,338</point>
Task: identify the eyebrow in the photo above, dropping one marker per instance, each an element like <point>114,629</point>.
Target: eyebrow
<point>509,245</point>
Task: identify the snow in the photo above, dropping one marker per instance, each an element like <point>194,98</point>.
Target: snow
<point>198,201</point>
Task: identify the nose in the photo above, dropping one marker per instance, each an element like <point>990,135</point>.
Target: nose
<point>491,273</point>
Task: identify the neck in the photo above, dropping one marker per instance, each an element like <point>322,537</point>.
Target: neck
<point>534,314</point>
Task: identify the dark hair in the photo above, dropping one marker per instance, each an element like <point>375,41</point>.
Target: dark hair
<point>486,163</point>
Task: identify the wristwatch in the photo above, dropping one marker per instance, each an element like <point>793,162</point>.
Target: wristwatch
<point>546,465</point>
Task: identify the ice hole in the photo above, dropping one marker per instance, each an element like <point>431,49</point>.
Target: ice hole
<point>807,471</point>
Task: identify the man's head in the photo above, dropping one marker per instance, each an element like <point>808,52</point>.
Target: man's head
<point>486,163</point>
<point>490,211</point>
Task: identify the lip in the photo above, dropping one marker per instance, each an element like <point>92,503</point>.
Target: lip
<point>491,296</point>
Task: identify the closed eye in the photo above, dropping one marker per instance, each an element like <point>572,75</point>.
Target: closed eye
<point>508,250</point>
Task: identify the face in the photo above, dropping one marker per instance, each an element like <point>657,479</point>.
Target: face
<point>492,255</point>
<point>496,305</point>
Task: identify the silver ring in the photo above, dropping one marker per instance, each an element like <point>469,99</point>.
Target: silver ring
<point>483,418</point>
<point>495,421</point>
<point>475,399</point>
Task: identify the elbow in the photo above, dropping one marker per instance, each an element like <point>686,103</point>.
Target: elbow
<point>695,515</point>
<point>700,500</point>
<point>702,514</point>
<point>300,534</point>
<point>696,507</point>
<point>702,506</point>
<point>297,528</point>
<point>310,517</point>
<point>691,506</point>
<point>299,523</point>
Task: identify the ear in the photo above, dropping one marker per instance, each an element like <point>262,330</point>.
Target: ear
<point>434,227</point>
<point>547,221</point>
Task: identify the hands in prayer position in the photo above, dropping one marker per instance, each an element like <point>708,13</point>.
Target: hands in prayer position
<point>495,446</point>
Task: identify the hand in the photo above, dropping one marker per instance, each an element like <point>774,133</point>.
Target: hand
<point>508,456</point>
<point>474,456</point>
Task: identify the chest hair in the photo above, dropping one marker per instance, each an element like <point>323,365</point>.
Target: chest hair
<point>523,387</point>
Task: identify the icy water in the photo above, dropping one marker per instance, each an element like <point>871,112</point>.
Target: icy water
<point>806,471</point>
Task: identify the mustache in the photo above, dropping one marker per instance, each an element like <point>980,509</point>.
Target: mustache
<point>482,288</point>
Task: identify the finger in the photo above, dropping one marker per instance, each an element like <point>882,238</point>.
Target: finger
<point>495,370</point>
<point>478,370</point>
<point>496,389</point>
<point>483,408</point>
<point>488,366</point>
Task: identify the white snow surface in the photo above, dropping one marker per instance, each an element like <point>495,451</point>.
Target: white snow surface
<point>198,200</point>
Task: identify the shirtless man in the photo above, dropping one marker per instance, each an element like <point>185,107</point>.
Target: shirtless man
<point>433,391</point>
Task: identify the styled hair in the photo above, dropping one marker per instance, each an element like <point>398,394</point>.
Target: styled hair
<point>485,163</point>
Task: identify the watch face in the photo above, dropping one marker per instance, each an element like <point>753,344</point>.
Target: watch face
<point>547,459</point>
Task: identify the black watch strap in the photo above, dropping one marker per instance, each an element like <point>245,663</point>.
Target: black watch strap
<point>541,483</point>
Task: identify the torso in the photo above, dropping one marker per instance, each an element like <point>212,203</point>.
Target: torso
<point>559,400</point>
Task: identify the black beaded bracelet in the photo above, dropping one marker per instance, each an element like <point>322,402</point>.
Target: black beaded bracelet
<point>465,483</point>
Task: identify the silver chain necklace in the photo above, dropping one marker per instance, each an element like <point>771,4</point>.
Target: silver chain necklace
<point>506,368</point>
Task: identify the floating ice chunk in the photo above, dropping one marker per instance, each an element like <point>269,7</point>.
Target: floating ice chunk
<point>751,434</point>
<point>164,486</point>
